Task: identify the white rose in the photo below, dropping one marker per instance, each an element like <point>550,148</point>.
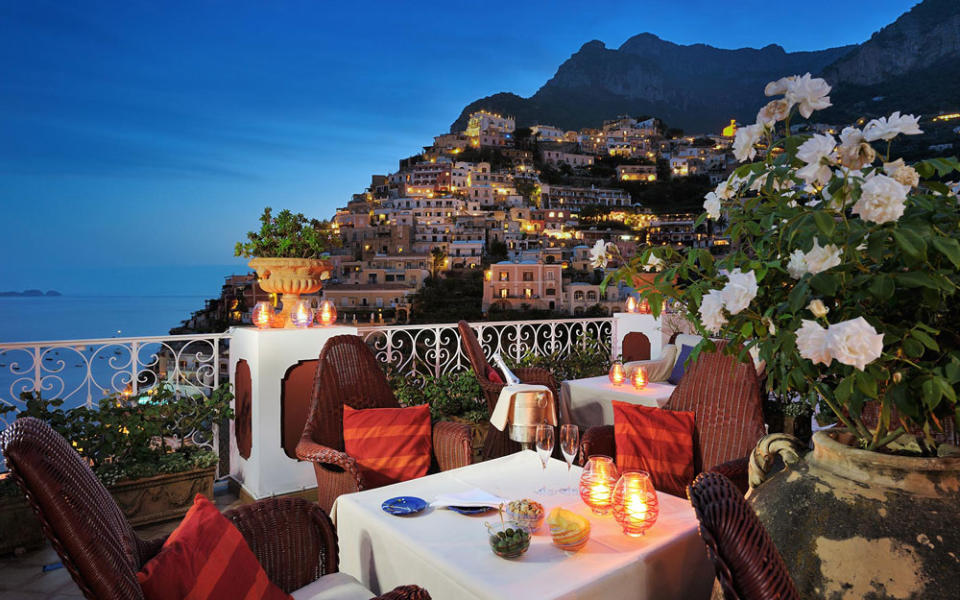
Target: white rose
<point>854,151</point>
<point>740,290</point>
<point>598,255</point>
<point>653,263</point>
<point>711,311</point>
<point>902,172</point>
<point>817,152</point>
<point>820,259</point>
<point>809,94</point>
<point>780,86</point>
<point>726,190</point>
<point>812,342</point>
<point>888,128</point>
<point>775,110</point>
<point>818,308</point>
<point>745,140</point>
<point>797,267</point>
<point>882,200</point>
<point>711,205</point>
<point>855,342</point>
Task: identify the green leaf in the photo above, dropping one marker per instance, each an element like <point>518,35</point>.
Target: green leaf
<point>747,329</point>
<point>825,222</point>
<point>844,390</point>
<point>949,247</point>
<point>932,393</point>
<point>911,243</point>
<point>915,279</point>
<point>953,371</point>
<point>797,298</point>
<point>925,339</point>
<point>867,384</point>
<point>882,287</point>
<point>825,283</point>
<point>913,348</point>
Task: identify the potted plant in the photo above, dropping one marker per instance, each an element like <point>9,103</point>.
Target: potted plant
<point>842,277</point>
<point>149,452</point>
<point>289,255</point>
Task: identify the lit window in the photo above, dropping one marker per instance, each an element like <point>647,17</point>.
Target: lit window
<point>503,293</point>
<point>504,276</point>
<point>528,293</point>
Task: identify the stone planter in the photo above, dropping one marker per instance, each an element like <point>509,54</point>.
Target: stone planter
<point>19,526</point>
<point>162,497</point>
<point>290,277</point>
<point>478,433</point>
<point>856,524</point>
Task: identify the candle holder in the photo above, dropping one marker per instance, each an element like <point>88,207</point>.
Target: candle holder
<point>644,308</point>
<point>302,314</point>
<point>327,315</point>
<point>639,378</point>
<point>631,304</point>
<point>617,373</point>
<point>635,504</point>
<point>597,482</point>
<point>262,315</point>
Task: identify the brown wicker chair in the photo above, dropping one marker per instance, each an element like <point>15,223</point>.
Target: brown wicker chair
<point>725,396</point>
<point>747,563</point>
<point>498,443</point>
<point>293,539</point>
<point>348,373</point>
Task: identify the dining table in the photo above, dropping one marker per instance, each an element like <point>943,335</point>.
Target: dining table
<point>588,400</point>
<point>449,555</point>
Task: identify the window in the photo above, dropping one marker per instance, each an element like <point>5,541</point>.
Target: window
<point>528,293</point>
<point>591,295</point>
<point>388,277</point>
<point>503,292</point>
<point>504,276</point>
<point>578,295</point>
<point>372,278</point>
<point>380,302</point>
<point>551,292</point>
<point>528,275</point>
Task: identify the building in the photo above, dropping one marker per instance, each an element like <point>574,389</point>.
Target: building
<point>580,296</point>
<point>637,173</point>
<point>513,285</point>
<point>547,133</point>
<point>361,301</point>
<point>556,157</point>
<point>565,196</point>
<point>484,121</point>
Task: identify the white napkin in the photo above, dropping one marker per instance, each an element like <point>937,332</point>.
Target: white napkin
<point>470,498</point>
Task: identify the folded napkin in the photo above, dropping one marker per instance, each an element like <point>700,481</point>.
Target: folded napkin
<point>470,498</point>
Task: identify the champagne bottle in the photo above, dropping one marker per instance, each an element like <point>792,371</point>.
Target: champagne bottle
<point>508,375</point>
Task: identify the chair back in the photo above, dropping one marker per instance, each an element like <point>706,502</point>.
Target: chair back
<point>83,522</point>
<point>725,396</point>
<point>347,373</point>
<point>747,563</point>
<point>635,346</point>
<point>473,349</point>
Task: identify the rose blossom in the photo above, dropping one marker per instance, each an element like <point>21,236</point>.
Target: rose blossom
<point>746,138</point>
<point>797,267</point>
<point>902,173</point>
<point>821,258</point>
<point>882,200</point>
<point>854,151</point>
<point>817,152</point>
<point>711,311</point>
<point>812,342</point>
<point>818,308</point>
<point>887,129</point>
<point>740,290</point>
<point>598,255</point>
<point>809,94</point>
<point>855,342</point>
<point>711,205</point>
<point>780,86</point>
<point>775,110</point>
<point>726,190</point>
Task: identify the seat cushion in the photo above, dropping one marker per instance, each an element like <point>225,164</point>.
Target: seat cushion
<point>493,375</point>
<point>655,440</point>
<point>335,586</point>
<point>206,557</point>
<point>389,444</point>
<point>680,366</point>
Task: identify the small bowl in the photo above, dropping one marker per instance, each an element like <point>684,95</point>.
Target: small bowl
<point>570,532</point>
<point>513,542</point>
<point>530,523</point>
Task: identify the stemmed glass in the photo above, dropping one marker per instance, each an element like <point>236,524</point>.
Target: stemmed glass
<point>544,449</point>
<point>569,446</point>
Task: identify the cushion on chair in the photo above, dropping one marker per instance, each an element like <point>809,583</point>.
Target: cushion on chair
<point>206,557</point>
<point>335,586</point>
<point>680,366</point>
<point>493,375</point>
<point>389,444</point>
<point>655,440</point>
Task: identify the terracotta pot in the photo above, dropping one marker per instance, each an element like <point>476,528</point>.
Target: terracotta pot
<point>290,277</point>
<point>856,524</point>
<point>162,497</point>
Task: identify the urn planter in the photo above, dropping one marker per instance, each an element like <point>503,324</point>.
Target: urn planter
<point>19,526</point>
<point>162,497</point>
<point>290,277</point>
<point>856,524</point>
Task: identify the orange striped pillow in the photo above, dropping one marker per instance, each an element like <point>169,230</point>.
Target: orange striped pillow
<point>206,557</point>
<point>389,444</point>
<point>655,440</point>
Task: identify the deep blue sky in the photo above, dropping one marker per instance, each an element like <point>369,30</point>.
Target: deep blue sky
<point>136,134</point>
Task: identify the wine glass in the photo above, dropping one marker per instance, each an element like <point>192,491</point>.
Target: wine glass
<point>569,446</point>
<point>544,449</point>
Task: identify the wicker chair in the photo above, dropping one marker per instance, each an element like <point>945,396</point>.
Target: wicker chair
<point>293,539</point>
<point>498,443</point>
<point>725,396</point>
<point>348,373</point>
<point>747,563</point>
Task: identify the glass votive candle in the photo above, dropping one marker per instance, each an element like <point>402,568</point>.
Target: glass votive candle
<point>597,482</point>
<point>262,315</point>
<point>302,314</point>
<point>617,373</point>
<point>631,304</point>
<point>635,504</point>
<point>639,378</point>
<point>327,314</point>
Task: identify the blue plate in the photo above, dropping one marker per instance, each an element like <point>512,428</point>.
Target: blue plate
<point>470,510</point>
<point>404,505</point>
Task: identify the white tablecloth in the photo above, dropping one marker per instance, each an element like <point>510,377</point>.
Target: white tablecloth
<point>448,554</point>
<point>589,400</point>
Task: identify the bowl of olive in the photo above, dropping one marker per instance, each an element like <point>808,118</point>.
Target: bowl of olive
<point>508,539</point>
<point>528,513</point>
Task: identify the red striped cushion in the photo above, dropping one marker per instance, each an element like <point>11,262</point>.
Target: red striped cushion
<point>655,440</point>
<point>206,557</point>
<point>389,444</point>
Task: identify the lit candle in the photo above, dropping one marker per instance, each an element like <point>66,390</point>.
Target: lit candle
<point>617,373</point>
<point>262,315</point>
<point>639,378</point>
<point>645,307</point>
<point>597,484</point>
<point>328,313</point>
<point>631,304</point>
<point>302,315</point>
<point>635,504</point>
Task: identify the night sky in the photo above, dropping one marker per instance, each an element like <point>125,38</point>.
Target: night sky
<point>136,137</point>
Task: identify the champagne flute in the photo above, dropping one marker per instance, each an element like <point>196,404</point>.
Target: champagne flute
<point>544,449</point>
<point>569,446</point>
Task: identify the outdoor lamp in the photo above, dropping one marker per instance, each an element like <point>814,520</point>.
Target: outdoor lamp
<point>262,315</point>
<point>635,505</point>
<point>328,313</point>
<point>302,315</point>
<point>617,373</point>
<point>597,482</point>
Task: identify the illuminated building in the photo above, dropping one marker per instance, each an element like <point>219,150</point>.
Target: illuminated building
<point>731,129</point>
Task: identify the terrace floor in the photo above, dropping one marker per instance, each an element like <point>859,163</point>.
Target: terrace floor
<point>22,577</point>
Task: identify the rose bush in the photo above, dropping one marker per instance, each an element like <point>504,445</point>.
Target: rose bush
<point>843,272</point>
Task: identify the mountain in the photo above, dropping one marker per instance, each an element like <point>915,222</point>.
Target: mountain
<point>699,88</point>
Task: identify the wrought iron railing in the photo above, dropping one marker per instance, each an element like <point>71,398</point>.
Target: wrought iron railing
<point>436,349</point>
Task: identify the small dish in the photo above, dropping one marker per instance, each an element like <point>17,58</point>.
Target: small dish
<point>470,510</point>
<point>404,505</point>
<point>508,539</point>
<point>527,513</point>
